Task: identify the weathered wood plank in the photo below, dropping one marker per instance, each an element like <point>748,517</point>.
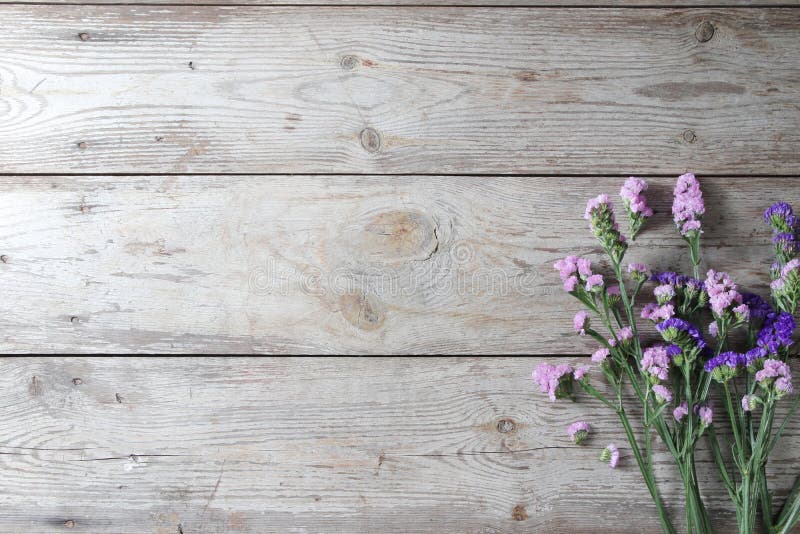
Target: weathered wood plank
<point>477,3</point>
<point>317,445</point>
<point>328,264</point>
<point>401,90</point>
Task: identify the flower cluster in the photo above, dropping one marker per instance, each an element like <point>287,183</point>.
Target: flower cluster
<point>781,218</point>
<point>786,288</point>
<point>726,365</point>
<point>775,374</point>
<point>635,203</point>
<point>688,206</point>
<point>578,432</point>
<point>655,362</point>
<point>775,334</point>
<point>639,272</point>
<point>600,214</point>
<point>610,455</point>
<point>577,276</point>
<point>555,380</point>
<point>682,333</point>
<point>722,295</point>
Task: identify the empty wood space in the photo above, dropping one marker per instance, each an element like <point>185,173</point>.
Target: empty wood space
<point>186,177</point>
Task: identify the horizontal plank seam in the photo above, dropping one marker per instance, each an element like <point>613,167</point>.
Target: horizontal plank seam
<point>412,6</point>
<point>376,175</point>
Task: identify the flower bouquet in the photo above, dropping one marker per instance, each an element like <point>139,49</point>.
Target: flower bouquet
<point>718,347</point>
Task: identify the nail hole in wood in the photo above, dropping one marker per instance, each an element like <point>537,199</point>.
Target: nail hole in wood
<point>83,145</point>
<point>83,36</point>
<point>77,381</point>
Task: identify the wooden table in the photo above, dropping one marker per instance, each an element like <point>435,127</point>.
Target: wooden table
<point>364,177</point>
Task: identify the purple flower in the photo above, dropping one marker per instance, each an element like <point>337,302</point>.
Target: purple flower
<point>786,243</point>
<point>759,308</point>
<point>682,333</point>
<point>725,366</point>
<point>600,355</point>
<point>790,267</point>
<point>742,312</point>
<point>706,415</point>
<point>663,394</point>
<point>781,217</point>
<point>776,332</point>
<point>680,412</point>
<point>578,432</point>
<point>581,322</point>
<point>610,455</point>
<point>584,267</point>
<point>656,313</point>
<point>613,291</point>
<point>555,380</point>
<point>598,203</point>
<point>688,206</point>
<point>655,362</point>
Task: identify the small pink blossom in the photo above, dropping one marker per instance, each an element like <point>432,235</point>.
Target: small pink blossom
<point>580,371</point>
<point>578,431</point>
<point>680,412</point>
<point>610,455</point>
<point>663,394</point>
<point>595,280</point>
<point>600,355</point>
<point>581,322</point>
<point>713,329</point>
<point>706,415</point>
<point>570,283</point>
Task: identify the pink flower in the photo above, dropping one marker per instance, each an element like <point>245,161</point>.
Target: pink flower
<point>713,329</point>
<point>633,198</point>
<point>680,412</point>
<point>613,290</point>
<point>566,267</point>
<point>778,372</point>
<point>611,455</point>
<point>721,292</point>
<point>581,322</point>
<point>656,313</point>
<point>600,355</point>
<point>596,203</point>
<point>625,334</point>
<point>706,415</point>
<point>664,293</point>
<point>663,394</point>
<point>570,283</point>
<point>595,280</point>
<point>578,432</point>
<point>789,267</point>
<point>584,267</point>
<point>550,378</point>
<point>749,403</point>
<point>580,371</point>
<point>655,361</point>
<point>688,206</point>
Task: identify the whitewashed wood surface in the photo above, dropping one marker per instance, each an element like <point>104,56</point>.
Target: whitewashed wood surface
<point>214,89</point>
<point>336,178</point>
<point>405,445</point>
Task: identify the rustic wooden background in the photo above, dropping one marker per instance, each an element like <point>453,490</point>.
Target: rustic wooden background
<point>358,176</point>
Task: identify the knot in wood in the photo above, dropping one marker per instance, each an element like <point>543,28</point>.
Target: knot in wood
<point>77,381</point>
<point>504,426</point>
<point>370,140</point>
<point>689,136</point>
<point>704,31</point>
<point>83,145</point>
<point>349,62</point>
<point>83,36</point>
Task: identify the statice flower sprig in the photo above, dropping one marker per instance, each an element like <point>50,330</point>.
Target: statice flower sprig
<point>676,382</point>
<point>635,204</point>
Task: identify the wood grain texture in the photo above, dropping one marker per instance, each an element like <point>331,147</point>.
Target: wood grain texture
<point>458,3</point>
<point>397,90</point>
<point>396,264</point>
<point>132,445</point>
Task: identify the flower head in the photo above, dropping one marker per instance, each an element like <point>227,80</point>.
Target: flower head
<point>680,412</point>
<point>555,380</point>
<point>580,372</point>
<point>776,332</point>
<point>785,243</point>
<point>635,203</point>
<point>581,322</point>
<point>639,271</point>
<point>578,432</point>
<point>610,455</point>
<point>600,214</point>
<point>664,293</point>
<point>724,366</point>
<point>775,373</point>
<point>655,362</point>
<point>688,206</point>
<point>781,217</point>
<point>600,355</point>
<point>749,403</point>
<point>759,308</point>
<point>594,282</point>
<point>721,292</point>
<point>681,333</point>
<point>662,393</point>
<point>706,415</point>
